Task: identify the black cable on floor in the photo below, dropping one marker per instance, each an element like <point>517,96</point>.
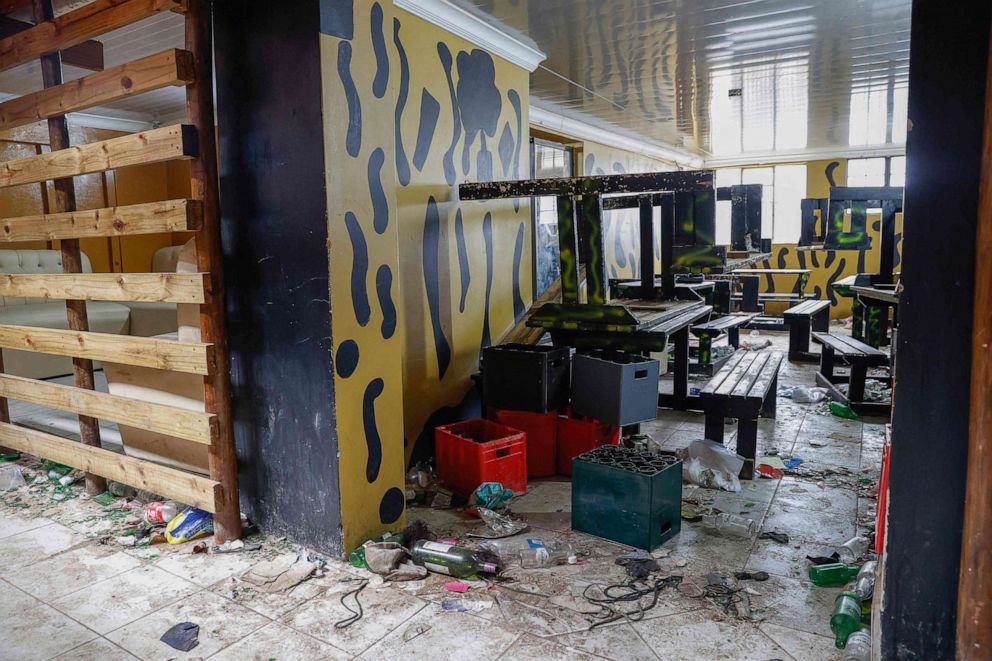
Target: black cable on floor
<point>356,615</point>
<point>619,593</point>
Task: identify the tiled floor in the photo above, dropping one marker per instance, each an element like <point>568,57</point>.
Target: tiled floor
<point>66,595</point>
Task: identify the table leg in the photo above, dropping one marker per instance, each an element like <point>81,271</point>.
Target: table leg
<point>680,387</point>
<point>856,383</point>
<point>714,425</point>
<point>827,363</point>
<point>747,445</point>
<point>705,348</point>
<point>858,319</point>
<point>734,337</point>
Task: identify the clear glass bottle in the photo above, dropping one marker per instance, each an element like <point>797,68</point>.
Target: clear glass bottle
<point>852,550</point>
<point>560,553</point>
<point>858,646</point>
<point>448,559</point>
<point>731,524</point>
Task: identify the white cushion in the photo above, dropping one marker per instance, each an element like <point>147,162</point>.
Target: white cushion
<point>33,261</point>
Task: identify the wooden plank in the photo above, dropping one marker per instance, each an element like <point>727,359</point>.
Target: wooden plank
<point>761,384</point>
<point>736,375</point>
<point>154,146</point>
<point>171,67</point>
<point>189,357</point>
<point>191,425</point>
<point>720,377</point>
<point>150,218</point>
<point>743,386</point>
<point>148,287</point>
<point>188,488</point>
<point>87,55</point>
<point>76,26</point>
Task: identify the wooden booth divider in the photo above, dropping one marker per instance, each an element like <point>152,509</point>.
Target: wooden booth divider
<point>194,141</point>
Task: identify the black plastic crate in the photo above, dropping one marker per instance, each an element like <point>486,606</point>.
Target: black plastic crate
<point>615,387</point>
<point>526,377</point>
<point>627,496</point>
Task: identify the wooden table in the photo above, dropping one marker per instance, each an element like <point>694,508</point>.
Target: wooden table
<point>876,300</point>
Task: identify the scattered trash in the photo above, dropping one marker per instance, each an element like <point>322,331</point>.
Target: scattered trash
<point>499,525</point>
<point>755,345</point>
<point>832,575</point>
<point>201,547</point>
<point>456,586</point>
<point>392,561</point>
<point>11,477</point>
<point>191,523</point>
<point>853,549</point>
<point>415,630</point>
<point>357,557</point>
<point>491,495</point>
<point>858,646</point>
<point>9,456</point>
<point>779,537</point>
<point>71,478</point>
<point>766,471</point>
<point>456,605</point>
<point>357,612</point>
<point>183,636</point>
<point>731,524</point>
<point>639,564</point>
<point>235,546</point>
<point>127,540</point>
<point>451,560</point>
<point>803,394</point>
<point>280,574</point>
<point>792,463</point>
<point>158,512</point>
<point>846,618</point>
<point>751,576</point>
<point>467,603</point>
<point>842,411</point>
<point>559,553</point>
<point>824,559</point>
<point>627,601</point>
<point>712,465</point>
<point>771,461</point>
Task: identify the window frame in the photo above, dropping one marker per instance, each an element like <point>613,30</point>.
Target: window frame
<point>570,151</point>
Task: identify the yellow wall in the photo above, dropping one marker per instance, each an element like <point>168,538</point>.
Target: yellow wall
<point>451,280</point>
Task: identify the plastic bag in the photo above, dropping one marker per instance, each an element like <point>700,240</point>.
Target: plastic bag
<point>189,524</point>
<point>10,477</point>
<point>695,472</point>
<point>491,495</point>
<point>712,465</point>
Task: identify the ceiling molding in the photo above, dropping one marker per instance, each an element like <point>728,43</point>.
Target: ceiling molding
<point>805,155</point>
<point>465,24</point>
<point>573,128</point>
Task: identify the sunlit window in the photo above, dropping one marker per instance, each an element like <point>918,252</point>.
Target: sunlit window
<point>725,177</point>
<point>897,171</point>
<point>790,189</point>
<point>783,187</point>
<point>872,171</point>
<point>550,160</point>
<point>877,117</point>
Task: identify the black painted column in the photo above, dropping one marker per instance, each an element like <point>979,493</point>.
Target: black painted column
<point>948,60</point>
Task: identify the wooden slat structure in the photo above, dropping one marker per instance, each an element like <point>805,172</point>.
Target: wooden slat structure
<point>191,68</point>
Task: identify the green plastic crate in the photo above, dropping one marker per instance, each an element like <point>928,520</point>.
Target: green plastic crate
<point>627,496</point>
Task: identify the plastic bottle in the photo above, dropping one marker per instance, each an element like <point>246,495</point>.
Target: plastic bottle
<point>858,646</point>
<point>842,411</point>
<point>851,550</point>
<point>560,553</point>
<point>157,512</point>
<point>833,575</point>
<point>846,618</point>
<point>451,560</point>
<point>864,584</point>
<point>731,524</point>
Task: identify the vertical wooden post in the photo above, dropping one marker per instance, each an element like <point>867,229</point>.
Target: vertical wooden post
<point>974,625</point>
<point>217,397</point>
<point>568,249</point>
<point>667,246</point>
<point>65,200</point>
<point>591,233</point>
<point>646,207</point>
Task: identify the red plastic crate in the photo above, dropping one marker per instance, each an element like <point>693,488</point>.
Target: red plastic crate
<point>541,430</point>
<point>580,434</point>
<point>476,451</point>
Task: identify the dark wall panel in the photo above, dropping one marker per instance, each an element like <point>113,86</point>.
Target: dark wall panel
<point>276,265</point>
<point>930,424</point>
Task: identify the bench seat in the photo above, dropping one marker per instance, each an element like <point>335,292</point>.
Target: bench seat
<point>745,388</point>
<point>801,318</point>
<point>860,357</point>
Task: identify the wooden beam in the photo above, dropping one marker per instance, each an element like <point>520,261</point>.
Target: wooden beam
<point>8,6</point>
<point>974,625</point>
<point>188,488</point>
<point>171,67</point>
<point>189,357</point>
<point>149,287</point>
<point>75,27</point>
<point>154,146</point>
<point>86,55</point>
<point>204,185</point>
<point>191,425</point>
<point>149,218</point>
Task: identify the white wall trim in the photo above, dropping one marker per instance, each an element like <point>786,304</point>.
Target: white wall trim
<point>573,128</point>
<point>798,156</point>
<point>467,25</point>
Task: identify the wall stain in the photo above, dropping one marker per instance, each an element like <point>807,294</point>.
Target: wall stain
<point>353,138</point>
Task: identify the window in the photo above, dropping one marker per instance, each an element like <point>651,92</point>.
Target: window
<point>549,159</point>
<point>878,116</point>
<point>881,171</point>
<point>783,187</point>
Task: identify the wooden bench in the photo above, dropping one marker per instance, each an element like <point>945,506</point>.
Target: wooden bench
<point>860,357</point>
<point>800,318</point>
<point>714,328</point>
<point>745,388</point>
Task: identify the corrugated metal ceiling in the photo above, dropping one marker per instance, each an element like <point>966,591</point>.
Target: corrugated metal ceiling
<point>718,78</point>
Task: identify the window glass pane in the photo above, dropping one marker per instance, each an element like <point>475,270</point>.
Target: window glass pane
<point>897,174</point>
<point>791,103</point>
<point>759,108</point>
<point>858,120</point>
<point>766,177</point>
<point>900,112</point>
<point>790,189</point>
<point>725,116</point>
<point>549,161</point>
<point>725,177</point>
<point>866,172</point>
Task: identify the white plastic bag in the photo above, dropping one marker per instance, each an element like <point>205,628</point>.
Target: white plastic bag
<point>11,477</point>
<point>712,465</point>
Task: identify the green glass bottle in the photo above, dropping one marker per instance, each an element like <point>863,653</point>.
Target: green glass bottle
<point>833,575</point>
<point>846,618</point>
<point>451,560</point>
<point>357,557</point>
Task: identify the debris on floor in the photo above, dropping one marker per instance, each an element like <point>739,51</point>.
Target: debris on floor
<point>280,574</point>
<point>183,636</point>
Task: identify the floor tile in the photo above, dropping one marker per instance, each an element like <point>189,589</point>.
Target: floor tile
<point>796,604</point>
<point>71,571</point>
<point>802,646</point>
<point>117,601</point>
<point>205,569</point>
<point>384,610</point>
<point>276,641</point>
<point>12,524</point>
<point>620,642</point>
<point>805,494</point>
<point>450,635</point>
<point>706,635</point>
<point>35,545</point>
<point>32,630</point>
<point>785,559</point>
<point>270,605</point>
<point>533,648</point>
<point>222,623</point>
<point>804,525</point>
<point>100,649</point>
